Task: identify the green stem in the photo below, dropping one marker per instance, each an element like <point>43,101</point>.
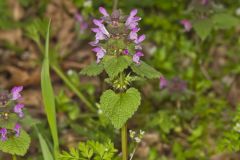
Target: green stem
<point>115,4</point>
<point>124,142</point>
<point>14,157</point>
<point>73,88</point>
<point>196,66</point>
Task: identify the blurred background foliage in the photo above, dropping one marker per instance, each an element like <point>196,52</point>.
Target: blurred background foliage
<point>195,117</point>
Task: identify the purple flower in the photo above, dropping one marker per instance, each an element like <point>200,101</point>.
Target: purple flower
<point>132,21</point>
<point>126,52</point>
<point>3,133</point>
<point>140,39</point>
<point>83,24</point>
<point>163,82</point>
<point>100,53</point>
<point>103,11</point>
<point>137,56</point>
<point>186,24</point>
<point>133,34</point>
<point>17,129</point>
<point>99,34</point>
<point>177,85</point>
<point>16,92</point>
<point>94,43</point>
<point>18,109</point>
<point>101,26</point>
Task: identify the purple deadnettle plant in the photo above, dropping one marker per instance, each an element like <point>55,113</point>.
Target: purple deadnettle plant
<point>118,48</point>
<point>117,34</point>
<point>11,113</point>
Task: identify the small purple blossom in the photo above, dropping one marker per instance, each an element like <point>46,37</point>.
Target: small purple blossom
<point>140,39</point>
<point>132,20</point>
<point>186,24</point>
<point>137,56</point>
<point>163,82</point>
<point>103,11</point>
<point>18,109</point>
<point>94,43</point>
<point>17,129</point>
<point>101,26</point>
<point>3,133</point>
<point>16,92</point>
<point>126,52</point>
<point>133,34</point>
<point>100,53</point>
<point>82,22</point>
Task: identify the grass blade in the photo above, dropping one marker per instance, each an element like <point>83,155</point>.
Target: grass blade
<point>48,96</point>
<point>44,147</point>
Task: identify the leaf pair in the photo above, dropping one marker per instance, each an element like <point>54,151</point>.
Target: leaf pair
<point>203,27</point>
<point>114,66</point>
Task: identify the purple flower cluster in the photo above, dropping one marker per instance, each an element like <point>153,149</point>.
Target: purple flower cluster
<point>175,85</point>
<point>6,101</point>
<point>117,27</point>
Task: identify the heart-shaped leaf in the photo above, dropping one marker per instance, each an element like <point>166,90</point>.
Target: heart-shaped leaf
<point>120,107</point>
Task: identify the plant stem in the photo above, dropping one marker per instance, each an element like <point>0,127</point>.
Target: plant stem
<point>73,87</point>
<point>115,4</point>
<point>14,157</point>
<point>124,142</point>
<point>196,64</point>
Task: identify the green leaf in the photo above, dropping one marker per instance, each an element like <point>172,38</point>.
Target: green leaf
<point>16,145</point>
<point>145,70</point>
<point>114,65</point>
<point>93,69</point>
<point>48,95</point>
<point>203,27</point>
<point>120,107</point>
<point>224,20</point>
<point>47,155</point>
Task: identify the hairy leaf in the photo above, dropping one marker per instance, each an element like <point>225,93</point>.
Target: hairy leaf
<point>115,65</point>
<point>120,107</point>
<point>203,27</point>
<point>224,20</point>
<point>145,70</point>
<point>93,69</point>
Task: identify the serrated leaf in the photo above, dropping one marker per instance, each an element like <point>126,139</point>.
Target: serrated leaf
<point>115,65</point>
<point>16,145</point>
<point>145,70</point>
<point>224,20</point>
<point>93,69</point>
<point>120,107</point>
<point>203,27</point>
